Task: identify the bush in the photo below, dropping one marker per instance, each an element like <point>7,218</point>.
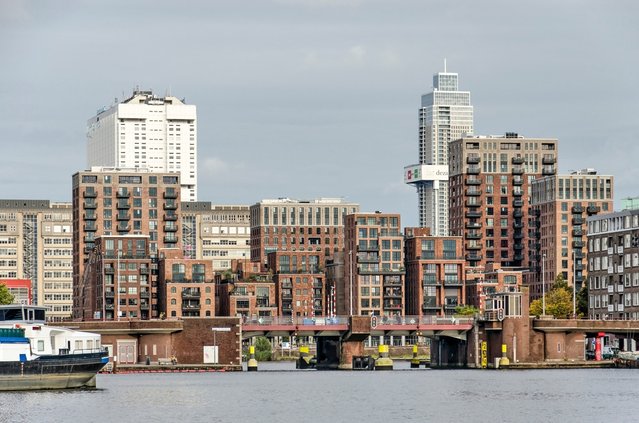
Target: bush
<point>262,349</point>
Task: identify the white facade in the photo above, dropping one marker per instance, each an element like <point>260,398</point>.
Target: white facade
<point>445,115</point>
<point>145,131</point>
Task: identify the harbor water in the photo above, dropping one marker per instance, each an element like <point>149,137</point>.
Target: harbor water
<point>278,393</point>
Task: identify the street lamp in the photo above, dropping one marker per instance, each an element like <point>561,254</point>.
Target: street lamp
<point>543,284</point>
<point>574,285</point>
<point>350,258</point>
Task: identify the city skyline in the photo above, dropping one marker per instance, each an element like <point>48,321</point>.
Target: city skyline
<point>308,99</point>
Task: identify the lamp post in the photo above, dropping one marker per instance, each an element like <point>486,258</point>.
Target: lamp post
<point>350,258</point>
<point>543,284</point>
<point>574,284</point>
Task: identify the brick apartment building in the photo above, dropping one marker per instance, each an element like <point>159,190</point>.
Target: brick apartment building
<point>299,282</point>
<point>561,204</point>
<point>245,291</point>
<point>108,201</point>
<point>435,273</point>
<point>490,180</point>
<point>373,266</point>
<point>482,284</point>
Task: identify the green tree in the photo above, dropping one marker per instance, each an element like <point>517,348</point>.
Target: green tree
<point>582,300</point>
<point>262,349</point>
<point>5,296</point>
<point>466,310</point>
<point>558,301</point>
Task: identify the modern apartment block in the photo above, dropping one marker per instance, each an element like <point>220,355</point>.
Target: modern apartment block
<point>560,206</point>
<point>147,131</point>
<point>186,287</point>
<point>490,178</point>
<point>435,273</point>
<point>122,202</point>
<point>218,233</point>
<point>613,265</point>
<point>297,225</point>
<point>373,282</point>
<point>245,291</point>
<point>445,115</point>
<point>118,280</point>
<point>35,244</point>
<point>299,282</point>
<point>481,285</point>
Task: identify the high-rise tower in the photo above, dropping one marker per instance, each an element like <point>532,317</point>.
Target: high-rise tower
<point>147,131</point>
<point>445,115</point>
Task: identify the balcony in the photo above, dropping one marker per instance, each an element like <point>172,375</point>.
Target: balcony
<point>170,217</point>
<point>473,202</point>
<point>430,280</point>
<point>123,228</point>
<point>577,232</point>
<point>577,209</point>
<point>473,235</point>
<point>518,170</point>
<point>577,220</point>
<point>429,303</point>
<point>577,243</point>
<point>89,194</point>
<point>470,246</point>
<point>144,270</point>
<point>473,192</point>
<point>518,160</point>
<point>390,305</point>
<point>453,283</point>
<point>548,160</point>
<point>144,306</point>
<point>90,216</point>
<point>518,203</point>
<point>473,181</point>
<point>88,249</point>
<point>518,214</point>
<point>170,206</point>
<point>451,302</point>
<point>123,205</point>
<point>123,194</point>
<point>170,239</point>
<point>191,294</point>
<point>473,214</point>
<point>472,159</point>
<point>108,270</point>
<point>170,228</point>
<point>473,225</point>
<point>145,294</point>
<point>473,170</point>
<point>578,254</point>
<point>109,294</point>
<point>90,227</point>
<point>170,194</point>
<point>548,170</point>
<point>518,257</point>
<point>518,247</point>
<point>518,181</point>
<point>90,205</point>
<point>518,225</point>
<point>518,235</point>
<point>473,257</point>
<point>517,193</point>
<point>190,306</point>
<point>125,216</point>
<point>592,209</point>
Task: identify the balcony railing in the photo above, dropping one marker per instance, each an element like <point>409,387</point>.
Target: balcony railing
<point>472,159</point>
<point>473,170</point>
<point>518,160</point>
<point>90,194</point>
<point>473,192</point>
<point>518,170</point>
<point>170,194</point>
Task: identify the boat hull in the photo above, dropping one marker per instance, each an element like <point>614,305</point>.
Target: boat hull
<point>52,372</point>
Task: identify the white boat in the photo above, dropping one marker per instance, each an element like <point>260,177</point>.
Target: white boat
<point>35,356</point>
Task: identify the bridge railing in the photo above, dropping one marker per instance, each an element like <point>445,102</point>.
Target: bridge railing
<point>344,320</point>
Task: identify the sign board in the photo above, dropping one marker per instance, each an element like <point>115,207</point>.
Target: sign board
<point>484,354</point>
<point>500,314</point>
<point>373,322</point>
<point>211,354</point>
<point>416,173</point>
<point>221,329</point>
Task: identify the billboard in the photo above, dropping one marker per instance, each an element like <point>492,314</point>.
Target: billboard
<point>416,173</point>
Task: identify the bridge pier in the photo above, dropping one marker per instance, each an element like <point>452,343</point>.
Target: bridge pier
<point>447,352</point>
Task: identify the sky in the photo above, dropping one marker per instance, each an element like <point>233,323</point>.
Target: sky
<point>316,98</point>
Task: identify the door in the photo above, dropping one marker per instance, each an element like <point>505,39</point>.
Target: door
<point>126,352</point>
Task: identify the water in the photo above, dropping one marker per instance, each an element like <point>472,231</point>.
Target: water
<point>274,394</point>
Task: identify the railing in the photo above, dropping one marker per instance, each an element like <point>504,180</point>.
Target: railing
<point>344,320</point>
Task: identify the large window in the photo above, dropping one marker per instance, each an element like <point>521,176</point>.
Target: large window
<point>178,272</point>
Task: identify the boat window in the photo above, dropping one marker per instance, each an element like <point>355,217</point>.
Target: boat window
<point>78,344</point>
<point>40,345</point>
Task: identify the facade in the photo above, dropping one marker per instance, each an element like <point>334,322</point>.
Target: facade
<point>435,273</point>
<point>252,296</point>
<point>186,287</point>
<point>122,202</point>
<point>297,225</point>
<point>118,280</point>
<point>373,282</point>
<point>299,282</point>
<point>613,265</point>
<point>560,206</point>
<point>147,131</point>
<point>218,233</point>
<point>482,285</point>
<point>35,244</point>
<point>490,179</point>
<point>445,115</point>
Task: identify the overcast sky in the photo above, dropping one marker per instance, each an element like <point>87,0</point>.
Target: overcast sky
<point>310,98</point>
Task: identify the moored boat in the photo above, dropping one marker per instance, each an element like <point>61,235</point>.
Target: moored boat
<point>36,356</point>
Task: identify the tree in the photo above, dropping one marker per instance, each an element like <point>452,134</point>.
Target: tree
<point>466,310</point>
<point>582,300</point>
<point>5,296</point>
<point>558,301</point>
<point>262,349</point>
